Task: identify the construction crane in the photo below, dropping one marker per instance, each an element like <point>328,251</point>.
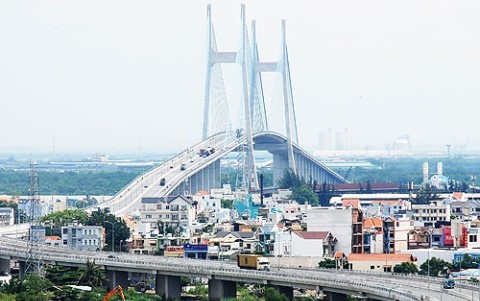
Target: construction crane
<point>117,290</point>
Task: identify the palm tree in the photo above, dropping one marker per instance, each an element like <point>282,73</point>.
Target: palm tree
<point>93,275</point>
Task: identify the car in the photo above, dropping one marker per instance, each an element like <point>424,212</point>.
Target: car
<point>183,166</point>
<point>448,283</point>
<point>162,182</point>
<point>113,256</point>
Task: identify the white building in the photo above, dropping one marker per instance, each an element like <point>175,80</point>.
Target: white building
<point>337,221</point>
<point>431,213</point>
<point>83,238</point>
<point>172,210</point>
<point>7,216</point>
<point>313,243</point>
<point>53,241</point>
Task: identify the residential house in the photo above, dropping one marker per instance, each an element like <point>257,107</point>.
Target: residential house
<point>231,243</point>
<point>377,262</point>
<point>344,223</point>
<point>396,233</point>
<point>175,211</point>
<point>53,241</point>
<point>466,210</point>
<point>313,243</point>
<point>420,238</point>
<point>373,235</point>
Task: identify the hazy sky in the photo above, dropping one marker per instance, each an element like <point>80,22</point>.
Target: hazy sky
<point>104,75</point>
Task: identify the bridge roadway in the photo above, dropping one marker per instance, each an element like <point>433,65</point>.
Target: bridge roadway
<point>377,286</point>
<point>128,200</point>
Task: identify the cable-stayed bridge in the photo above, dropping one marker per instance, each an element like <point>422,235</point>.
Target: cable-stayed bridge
<point>198,167</point>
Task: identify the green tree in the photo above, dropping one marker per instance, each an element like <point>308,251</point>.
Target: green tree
<point>426,194</point>
<point>304,194</point>
<point>327,263</point>
<point>109,221</point>
<point>30,288</point>
<point>405,268</point>
<point>60,275</point>
<point>301,191</point>
<point>437,267</point>
<point>271,294</point>
<point>224,203</point>
<point>92,275</point>
<point>62,218</point>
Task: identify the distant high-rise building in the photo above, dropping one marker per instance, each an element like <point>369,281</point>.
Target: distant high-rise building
<point>425,172</point>
<point>341,140</point>
<point>323,141</point>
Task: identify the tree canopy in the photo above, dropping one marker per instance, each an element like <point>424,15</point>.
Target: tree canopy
<point>301,191</point>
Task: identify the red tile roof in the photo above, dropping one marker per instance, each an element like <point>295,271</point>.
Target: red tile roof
<point>458,195</point>
<point>381,257</point>
<point>53,237</point>
<point>372,222</point>
<point>312,234</point>
<point>355,203</point>
<point>201,192</point>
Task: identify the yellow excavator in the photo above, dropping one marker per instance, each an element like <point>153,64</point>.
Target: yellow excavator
<point>117,290</point>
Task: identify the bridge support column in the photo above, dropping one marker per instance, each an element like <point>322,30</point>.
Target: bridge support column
<point>280,164</point>
<point>219,289</point>
<point>22,269</point>
<point>5,265</point>
<point>168,287</point>
<point>117,278</point>
<point>335,297</point>
<point>285,290</point>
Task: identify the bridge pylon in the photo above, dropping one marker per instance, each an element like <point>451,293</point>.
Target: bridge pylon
<point>255,115</point>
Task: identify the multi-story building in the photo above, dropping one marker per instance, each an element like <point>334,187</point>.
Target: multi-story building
<point>83,238</point>
<point>431,213</point>
<point>372,235</point>
<point>313,243</point>
<point>396,233</point>
<point>7,216</point>
<point>344,223</point>
<point>178,211</point>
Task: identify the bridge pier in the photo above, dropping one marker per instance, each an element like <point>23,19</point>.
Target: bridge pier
<point>220,289</point>
<point>168,287</point>
<point>331,296</point>
<point>117,278</point>
<point>5,265</point>
<point>22,269</point>
<point>285,290</point>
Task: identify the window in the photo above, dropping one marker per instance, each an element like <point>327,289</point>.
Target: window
<point>472,238</point>
<point>65,231</point>
<point>372,267</point>
<point>64,242</point>
<point>148,216</point>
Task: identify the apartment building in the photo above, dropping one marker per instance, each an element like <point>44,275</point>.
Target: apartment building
<point>431,213</point>
<point>83,238</point>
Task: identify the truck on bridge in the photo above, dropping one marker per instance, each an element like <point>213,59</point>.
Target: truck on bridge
<point>253,262</point>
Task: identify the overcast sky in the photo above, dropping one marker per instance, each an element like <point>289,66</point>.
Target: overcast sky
<point>104,75</point>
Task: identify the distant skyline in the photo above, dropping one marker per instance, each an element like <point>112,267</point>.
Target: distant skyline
<point>115,76</point>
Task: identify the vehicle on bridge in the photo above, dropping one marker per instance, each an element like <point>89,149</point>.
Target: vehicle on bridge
<point>162,182</point>
<point>183,166</point>
<point>253,261</point>
<point>448,283</point>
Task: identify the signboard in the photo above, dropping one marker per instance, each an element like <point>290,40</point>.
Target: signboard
<point>447,236</point>
<point>195,248</point>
